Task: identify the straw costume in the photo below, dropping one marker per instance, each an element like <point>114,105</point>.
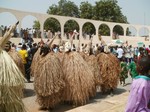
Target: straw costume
<point>79,79</point>
<point>11,80</point>
<point>109,71</point>
<point>18,60</point>
<point>49,82</point>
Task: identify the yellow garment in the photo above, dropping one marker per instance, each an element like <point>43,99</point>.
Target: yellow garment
<point>24,55</point>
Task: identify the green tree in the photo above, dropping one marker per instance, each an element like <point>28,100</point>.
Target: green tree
<point>54,9</point>
<point>71,25</point>
<point>108,10</point>
<point>89,28</point>
<point>36,25</point>
<point>118,30</point>
<point>52,24</point>
<point>64,8</point>
<point>86,10</point>
<point>104,10</point>
<point>104,30</point>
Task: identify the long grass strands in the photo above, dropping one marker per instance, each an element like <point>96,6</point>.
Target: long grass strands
<point>109,71</point>
<point>49,81</point>
<point>79,79</point>
<point>11,85</point>
<point>18,60</point>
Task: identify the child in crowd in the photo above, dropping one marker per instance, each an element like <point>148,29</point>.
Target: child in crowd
<point>124,71</point>
<point>139,98</point>
<point>132,67</point>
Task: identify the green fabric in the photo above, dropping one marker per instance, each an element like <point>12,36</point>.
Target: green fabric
<point>143,77</point>
<point>124,70</point>
<point>132,68</point>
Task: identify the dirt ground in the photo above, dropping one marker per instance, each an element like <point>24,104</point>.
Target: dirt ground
<point>100,103</point>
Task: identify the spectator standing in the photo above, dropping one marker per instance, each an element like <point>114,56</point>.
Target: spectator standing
<point>136,51</point>
<point>142,53</point>
<point>127,54</point>
<point>132,67</point>
<point>139,98</point>
<point>120,52</point>
<point>49,34</point>
<point>24,55</point>
<point>45,35</point>
<point>131,52</point>
<point>21,33</point>
<point>124,71</point>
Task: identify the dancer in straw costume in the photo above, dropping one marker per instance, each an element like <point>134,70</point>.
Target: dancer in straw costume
<point>15,56</point>
<point>109,71</point>
<point>36,58</point>
<point>48,78</point>
<point>79,78</point>
<point>11,80</point>
<point>17,59</point>
<point>91,59</point>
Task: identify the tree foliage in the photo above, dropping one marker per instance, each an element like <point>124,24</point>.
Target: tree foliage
<point>86,10</point>
<point>118,30</point>
<point>64,8</point>
<point>104,10</point>
<point>108,10</point>
<point>52,24</point>
<point>89,28</point>
<point>36,25</point>
<point>70,26</point>
<point>104,30</point>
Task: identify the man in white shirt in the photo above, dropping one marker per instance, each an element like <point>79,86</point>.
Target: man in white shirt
<point>120,52</point>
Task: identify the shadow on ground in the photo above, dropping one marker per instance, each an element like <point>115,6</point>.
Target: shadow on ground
<point>127,84</point>
<point>97,99</point>
<point>28,92</point>
<point>100,96</point>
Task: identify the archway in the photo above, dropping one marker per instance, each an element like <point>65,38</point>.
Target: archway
<point>6,23</point>
<point>30,26</point>
<point>131,31</point>
<point>70,27</point>
<point>117,30</point>
<point>51,26</point>
<point>88,30</point>
<point>104,30</point>
<point>28,22</point>
<point>143,32</point>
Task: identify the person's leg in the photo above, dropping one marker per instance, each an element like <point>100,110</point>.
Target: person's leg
<point>120,80</point>
<point>27,72</point>
<point>124,82</point>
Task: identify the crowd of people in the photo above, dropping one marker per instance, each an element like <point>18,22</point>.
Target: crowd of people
<point>133,60</point>
<point>127,55</point>
<point>137,64</point>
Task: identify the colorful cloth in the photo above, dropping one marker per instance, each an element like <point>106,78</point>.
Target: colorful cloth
<point>139,97</point>
<point>132,68</point>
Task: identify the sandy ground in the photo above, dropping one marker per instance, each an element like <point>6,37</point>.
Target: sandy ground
<point>100,103</point>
